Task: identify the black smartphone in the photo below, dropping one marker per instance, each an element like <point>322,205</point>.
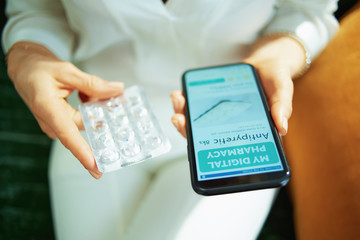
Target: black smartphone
<point>233,144</point>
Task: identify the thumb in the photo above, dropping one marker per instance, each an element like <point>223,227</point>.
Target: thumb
<point>91,85</point>
<point>281,108</point>
<point>281,113</point>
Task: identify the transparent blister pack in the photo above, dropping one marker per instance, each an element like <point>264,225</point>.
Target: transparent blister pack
<point>123,131</point>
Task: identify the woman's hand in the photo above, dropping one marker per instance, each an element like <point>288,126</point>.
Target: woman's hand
<point>178,119</point>
<point>44,82</point>
<point>277,60</point>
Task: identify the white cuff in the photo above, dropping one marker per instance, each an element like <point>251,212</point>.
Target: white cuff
<point>314,26</point>
<point>47,31</point>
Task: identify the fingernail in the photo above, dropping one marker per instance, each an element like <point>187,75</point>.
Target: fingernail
<point>95,174</point>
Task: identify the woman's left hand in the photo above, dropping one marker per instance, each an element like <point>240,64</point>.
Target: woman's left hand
<point>277,60</point>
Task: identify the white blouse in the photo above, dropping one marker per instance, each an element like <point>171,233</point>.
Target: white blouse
<point>157,36</point>
<point>151,43</point>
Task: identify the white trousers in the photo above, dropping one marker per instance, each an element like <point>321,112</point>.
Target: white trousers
<point>135,203</point>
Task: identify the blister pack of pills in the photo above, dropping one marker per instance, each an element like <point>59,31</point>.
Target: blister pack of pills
<point>123,131</point>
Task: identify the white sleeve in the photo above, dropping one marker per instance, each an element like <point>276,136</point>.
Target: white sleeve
<point>312,21</point>
<point>40,21</point>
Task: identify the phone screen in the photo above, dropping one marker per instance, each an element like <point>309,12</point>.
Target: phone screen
<point>229,123</point>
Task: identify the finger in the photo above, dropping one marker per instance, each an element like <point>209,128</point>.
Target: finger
<point>179,122</point>
<point>46,129</point>
<point>281,106</point>
<point>178,101</point>
<point>83,97</point>
<point>71,138</point>
<point>75,115</point>
<point>77,118</point>
<point>88,84</point>
<point>67,132</point>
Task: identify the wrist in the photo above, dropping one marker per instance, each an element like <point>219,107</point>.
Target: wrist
<point>20,50</point>
<point>22,53</point>
<point>284,48</point>
<point>28,46</point>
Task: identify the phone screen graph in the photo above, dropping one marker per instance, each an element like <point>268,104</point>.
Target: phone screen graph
<point>229,123</point>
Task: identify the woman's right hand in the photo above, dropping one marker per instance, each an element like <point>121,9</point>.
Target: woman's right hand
<point>44,82</point>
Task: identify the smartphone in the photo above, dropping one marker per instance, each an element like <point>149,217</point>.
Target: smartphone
<point>233,144</point>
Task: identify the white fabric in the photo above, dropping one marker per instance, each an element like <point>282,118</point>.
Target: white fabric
<point>311,20</point>
<point>132,204</point>
<point>146,42</point>
<point>97,24</point>
<point>184,215</point>
<point>84,208</point>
